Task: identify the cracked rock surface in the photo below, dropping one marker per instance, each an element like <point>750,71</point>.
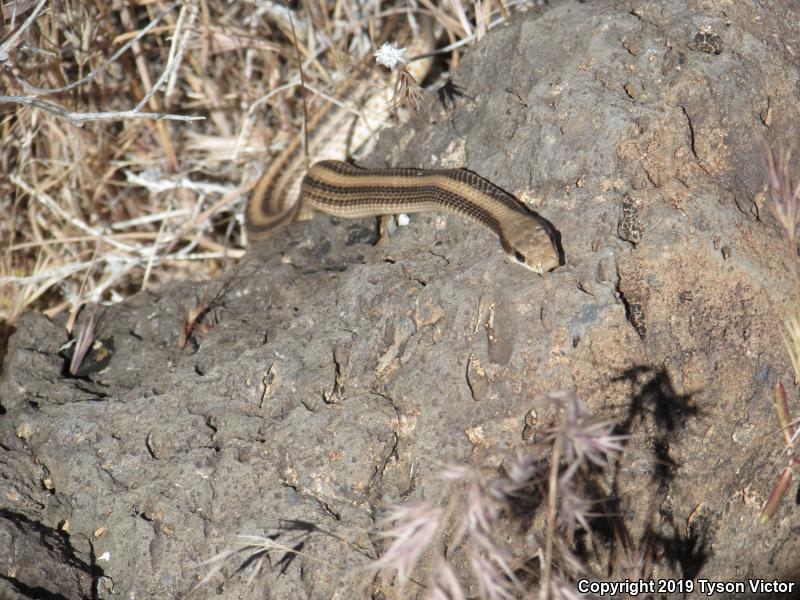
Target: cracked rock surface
<point>340,375</point>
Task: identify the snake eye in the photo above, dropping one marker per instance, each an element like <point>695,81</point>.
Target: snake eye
<point>519,256</point>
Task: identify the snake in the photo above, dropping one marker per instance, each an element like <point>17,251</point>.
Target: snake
<point>289,190</point>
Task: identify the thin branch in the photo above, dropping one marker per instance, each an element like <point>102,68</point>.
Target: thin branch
<point>552,515</point>
<point>147,219</point>
<point>161,184</point>
<point>77,118</point>
<point>131,235</point>
<point>186,32</point>
<point>302,84</point>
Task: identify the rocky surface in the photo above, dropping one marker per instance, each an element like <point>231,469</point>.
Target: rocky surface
<point>340,375</point>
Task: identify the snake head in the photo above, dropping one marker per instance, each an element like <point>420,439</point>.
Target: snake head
<point>532,246</point>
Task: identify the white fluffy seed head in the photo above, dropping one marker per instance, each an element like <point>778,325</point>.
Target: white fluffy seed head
<point>390,56</point>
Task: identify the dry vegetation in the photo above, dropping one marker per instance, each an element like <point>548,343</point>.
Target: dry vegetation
<point>785,205</point>
<point>131,132</point>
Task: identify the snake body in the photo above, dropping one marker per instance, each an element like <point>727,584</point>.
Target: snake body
<point>344,190</point>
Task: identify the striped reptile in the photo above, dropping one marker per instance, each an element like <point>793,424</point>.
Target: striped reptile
<point>290,191</point>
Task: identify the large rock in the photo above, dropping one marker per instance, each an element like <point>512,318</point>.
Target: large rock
<point>340,375</point>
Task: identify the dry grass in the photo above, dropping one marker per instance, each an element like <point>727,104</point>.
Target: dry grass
<point>130,134</point>
<point>784,202</point>
<point>482,500</point>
